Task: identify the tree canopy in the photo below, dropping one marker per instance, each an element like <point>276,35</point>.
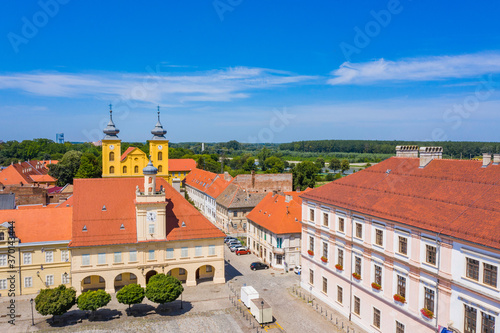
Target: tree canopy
<point>130,294</point>
<point>92,300</point>
<point>163,289</point>
<point>55,301</point>
<point>304,175</point>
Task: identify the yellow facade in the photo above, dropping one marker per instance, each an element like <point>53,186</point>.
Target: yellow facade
<point>135,161</point>
<point>35,266</point>
<point>113,266</point>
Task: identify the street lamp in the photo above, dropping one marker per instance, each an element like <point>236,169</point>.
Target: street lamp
<point>262,314</point>
<point>32,315</point>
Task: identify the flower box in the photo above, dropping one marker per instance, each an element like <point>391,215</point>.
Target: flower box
<point>399,298</point>
<point>324,259</point>
<point>376,286</point>
<point>339,267</point>
<point>356,276</point>
<point>427,313</point>
<point>311,253</point>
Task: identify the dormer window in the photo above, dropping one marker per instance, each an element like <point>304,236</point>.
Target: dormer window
<point>183,224</point>
<point>122,227</point>
<point>84,228</point>
<point>104,208</point>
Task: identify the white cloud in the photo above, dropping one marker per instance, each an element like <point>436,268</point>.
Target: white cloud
<point>417,69</point>
<point>158,86</point>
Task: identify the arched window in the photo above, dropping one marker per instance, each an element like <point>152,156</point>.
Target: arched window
<point>150,180</point>
<point>136,169</point>
<point>111,156</point>
<point>125,169</point>
<point>111,169</point>
<point>2,236</point>
<point>160,168</point>
<point>160,156</point>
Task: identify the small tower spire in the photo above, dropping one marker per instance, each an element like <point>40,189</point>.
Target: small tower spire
<point>111,131</point>
<point>158,132</point>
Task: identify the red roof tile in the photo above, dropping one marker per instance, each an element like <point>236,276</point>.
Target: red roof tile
<point>18,173</point>
<point>43,179</point>
<point>277,215</point>
<point>118,196</point>
<point>454,197</point>
<point>181,164</point>
<point>207,182</point>
<point>125,154</point>
<point>40,224</point>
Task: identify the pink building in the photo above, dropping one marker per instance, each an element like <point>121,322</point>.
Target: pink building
<point>408,245</point>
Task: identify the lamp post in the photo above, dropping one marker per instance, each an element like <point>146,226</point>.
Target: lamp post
<point>262,314</point>
<point>32,315</point>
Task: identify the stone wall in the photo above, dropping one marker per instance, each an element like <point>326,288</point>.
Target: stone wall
<point>260,183</point>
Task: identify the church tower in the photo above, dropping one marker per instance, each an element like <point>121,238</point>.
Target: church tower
<point>111,149</point>
<point>158,148</point>
<point>150,207</point>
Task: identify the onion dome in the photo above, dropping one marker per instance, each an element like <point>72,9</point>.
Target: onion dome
<point>111,131</point>
<point>159,132</point>
<point>150,168</point>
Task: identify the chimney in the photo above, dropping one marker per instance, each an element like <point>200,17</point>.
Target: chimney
<point>227,176</point>
<point>496,159</point>
<point>486,159</point>
<point>427,154</point>
<point>407,151</point>
<point>176,184</point>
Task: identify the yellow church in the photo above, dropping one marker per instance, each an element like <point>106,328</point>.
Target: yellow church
<point>133,160</point>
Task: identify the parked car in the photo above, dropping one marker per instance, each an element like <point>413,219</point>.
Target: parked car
<point>229,238</point>
<point>237,242</point>
<point>234,247</point>
<point>258,265</point>
<point>242,250</point>
<point>297,270</point>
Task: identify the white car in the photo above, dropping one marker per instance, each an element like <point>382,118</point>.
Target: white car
<point>297,269</point>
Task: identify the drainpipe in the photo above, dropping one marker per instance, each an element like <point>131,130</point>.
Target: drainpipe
<point>438,243</point>
<point>352,255</point>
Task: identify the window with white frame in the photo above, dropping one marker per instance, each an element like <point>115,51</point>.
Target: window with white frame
<point>430,254</point>
<point>101,258</point>
<point>378,274</point>
<point>65,255</point>
<point>151,255</point>
<point>357,265</point>
<point>132,256</point>
<point>311,243</point>
<point>401,286</point>
<point>117,257</point>
<point>170,253</point>
<point>28,282</point>
<point>184,252</point>
<point>429,299</point>
<point>379,237</point>
<point>470,319</point>
<point>359,230</point>
<point>487,323</point>
<point>211,250</point>
<point>325,250</point>
<point>376,317</point>
<point>325,219</point>
<point>198,251</point>
<point>3,260</point>
<point>341,226</point>
<point>402,245</point>
<point>340,294</point>
<point>490,273</point>
<point>311,214</point>
<point>85,259</point>
<point>3,284</point>
<point>27,258</point>
<point>49,256</point>
<point>49,280</point>
<point>325,285</point>
<point>65,278</point>
<point>311,276</point>
<point>357,305</point>
<point>472,270</point>
<point>340,257</point>
<point>400,328</point>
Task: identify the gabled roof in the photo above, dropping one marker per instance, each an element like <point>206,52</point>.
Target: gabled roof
<point>457,198</point>
<point>236,197</point>
<point>18,173</point>
<point>279,213</point>
<point>40,224</point>
<point>117,195</point>
<point>128,151</point>
<point>181,164</point>
<point>43,179</point>
<point>207,182</point>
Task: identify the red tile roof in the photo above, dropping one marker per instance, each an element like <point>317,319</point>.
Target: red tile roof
<point>454,197</point>
<point>125,154</point>
<point>277,215</point>
<point>43,179</point>
<point>181,164</point>
<point>118,195</point>
<point>40,224</point>
<point>17,173</point>
<point>207,182</point>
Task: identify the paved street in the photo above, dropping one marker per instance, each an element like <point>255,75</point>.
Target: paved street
<point>206,308</point>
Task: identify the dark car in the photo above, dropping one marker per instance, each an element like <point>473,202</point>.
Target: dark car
<point>229,238</point>
<point>258,265</point>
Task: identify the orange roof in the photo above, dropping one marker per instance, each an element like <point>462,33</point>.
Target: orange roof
<point>181,164</point>
<point>43,179</point>
<point>277,215</point>
<point>40,224</point>
<point>457,198</point>
<point>17,173</point>
<point>208,182</point>
<point>37,206</point>
<point>129,150</point>
<point>118,196</point>
<point>67,203</point>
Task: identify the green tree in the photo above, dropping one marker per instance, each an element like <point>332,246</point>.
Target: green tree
<point>233,144</point>
<point>274,164</point>
<point>262,156</point>
<point>92,300</point>
<point>304,175</point>
<point>249,164</point>
<point>67,167</point>
<point>130,294</point>
<point>89,167</point>
<point>320,163</point>
<point>55,301</point>
<point>334,164</point>
<point>344,165</point>
<point>163,289</point>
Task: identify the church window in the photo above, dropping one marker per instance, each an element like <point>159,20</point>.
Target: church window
<point>160,168</point>
<point>125,169</point>
<point>111,169</point>
<point>136,169</point>
<point>111,156</point>
<point>160,156</point>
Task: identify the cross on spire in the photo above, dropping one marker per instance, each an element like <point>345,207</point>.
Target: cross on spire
<point>158,113</point>
<point>111,110</point>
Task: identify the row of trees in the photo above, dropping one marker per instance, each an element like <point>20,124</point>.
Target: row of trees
<point>160,289</point>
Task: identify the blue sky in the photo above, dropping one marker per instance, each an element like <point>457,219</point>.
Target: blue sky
<point>254,71</point>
